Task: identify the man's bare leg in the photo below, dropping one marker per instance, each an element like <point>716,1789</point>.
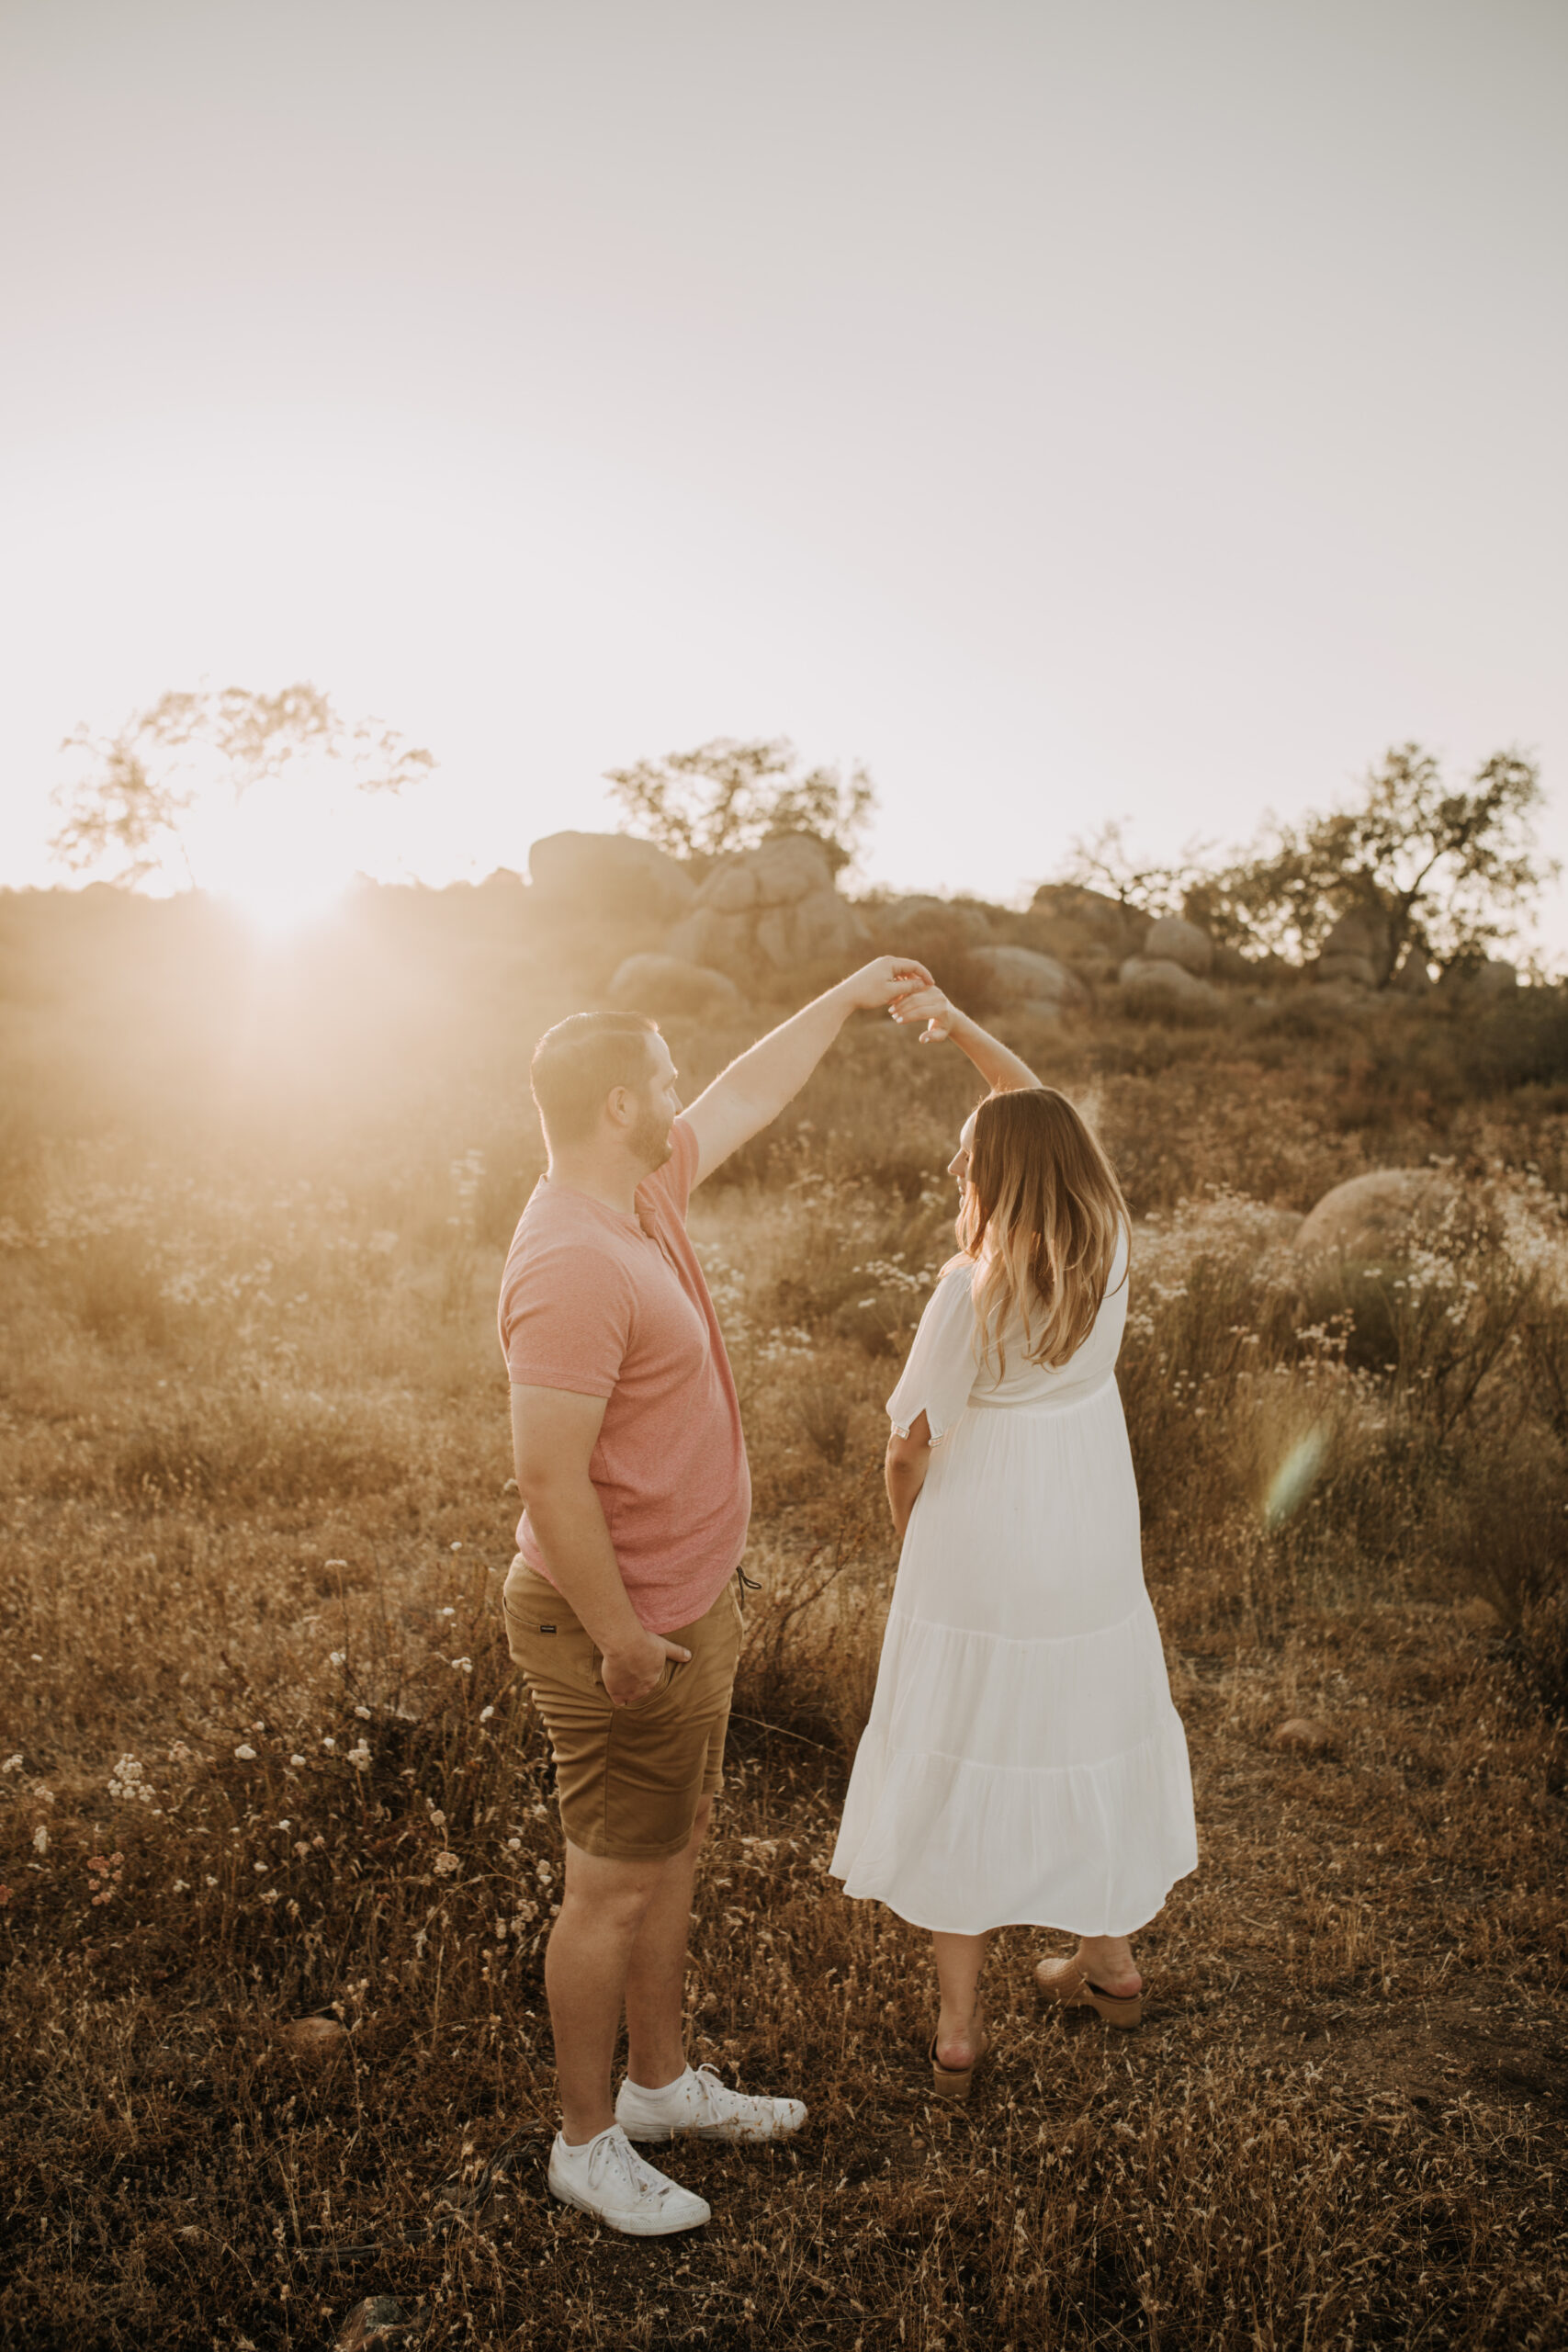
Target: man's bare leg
<point>656,1977</point>
<point>603,1906</point>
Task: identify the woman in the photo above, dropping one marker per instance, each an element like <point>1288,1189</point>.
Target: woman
<point>1023,1763</point>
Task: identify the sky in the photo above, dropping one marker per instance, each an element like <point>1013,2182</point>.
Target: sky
<point>1148,411</point>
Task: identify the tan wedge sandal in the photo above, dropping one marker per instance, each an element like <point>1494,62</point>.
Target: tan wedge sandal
<point>1067,1982</point>
<point>954,2082</point>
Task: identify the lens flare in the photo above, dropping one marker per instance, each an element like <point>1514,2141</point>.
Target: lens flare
<point>1293,1479</point>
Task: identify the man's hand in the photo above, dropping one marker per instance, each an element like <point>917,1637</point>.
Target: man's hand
<point>633,1667</point>
<point>876,986</point>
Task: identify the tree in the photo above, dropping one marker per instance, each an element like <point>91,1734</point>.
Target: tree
<point>1449,872</point>
<point>1104,863</point>
<point>727,795</point>
<point>128,802</point>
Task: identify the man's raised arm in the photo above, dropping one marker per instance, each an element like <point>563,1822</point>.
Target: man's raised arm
<point>751,1093</point>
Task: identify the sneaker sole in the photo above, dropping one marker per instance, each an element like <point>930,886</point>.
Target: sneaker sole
<point>657,2135</point>
<point>630,2228</point>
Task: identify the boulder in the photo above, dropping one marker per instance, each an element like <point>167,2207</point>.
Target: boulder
<point>612,874</point>
<point>313,2039</point>
<point>774,906</point>
<point>1306,1736</point>
<point>1035,983</point>
<point>661,984</point>
<point>1172,940</point>
<point>1083,927</point>
<point>906,923</point>
<point>1157,985</point>
<point>1356,951</point>
<point>1377,1215</point>
<point>1477,983</point>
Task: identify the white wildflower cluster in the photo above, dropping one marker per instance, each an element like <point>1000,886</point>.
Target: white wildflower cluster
<point>786,1344</point>
<point>359,1757</point>
<point>446,1863</point>
<point>128,1783</point>
<point>892,1274</point>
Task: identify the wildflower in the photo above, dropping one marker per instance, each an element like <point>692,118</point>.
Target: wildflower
<point>40,1840</point>
<point>336,1564</point>
<point>210,1880</point>
<point>545,1875</point>
<point>461,1665</point>
<point>445,1862</point>
<point>181,1886</point>
<point>329,1744</point>
<point>269,1894</point>
<point>336,1657</point>
<point>12,1764</point>
<point>297,1759</point>
<point>359,1757</point>
<point>454,1547</point>
<point>129,1784</point>
<point>179,1753</point>
<point>302,1847</point>
<point>364,1714</point>
<point>437,1818</point>
<point>446,1612</point>
<point>515,1845</point>
<point>485,1713</point>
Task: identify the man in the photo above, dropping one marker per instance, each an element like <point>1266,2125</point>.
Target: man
<point>621,1607</point>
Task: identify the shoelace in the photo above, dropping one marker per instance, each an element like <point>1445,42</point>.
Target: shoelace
<point>722,2103</point>
<point>612,2150</point>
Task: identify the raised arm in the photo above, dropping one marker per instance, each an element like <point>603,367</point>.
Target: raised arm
<point>998,1064</point>
<point>751,1093</point>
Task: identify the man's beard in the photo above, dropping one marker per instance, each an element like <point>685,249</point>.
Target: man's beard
<point>649,1141</point>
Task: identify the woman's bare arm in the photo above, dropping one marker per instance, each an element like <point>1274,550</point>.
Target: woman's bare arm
<point>998,1065</point>
<point>909,1458</point>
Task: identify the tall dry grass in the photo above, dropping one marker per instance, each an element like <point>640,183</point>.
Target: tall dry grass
<point>265,1755</point>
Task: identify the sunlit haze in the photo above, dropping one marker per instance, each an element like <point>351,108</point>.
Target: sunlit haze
<point>1072,413</point>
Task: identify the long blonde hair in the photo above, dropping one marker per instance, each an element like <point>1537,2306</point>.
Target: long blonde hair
<point>1041,1220</point>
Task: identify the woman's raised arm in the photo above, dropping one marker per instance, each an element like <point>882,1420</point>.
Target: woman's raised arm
<point>998,1065</point>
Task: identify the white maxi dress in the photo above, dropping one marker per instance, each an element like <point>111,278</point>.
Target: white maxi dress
<point>1023,1764</point>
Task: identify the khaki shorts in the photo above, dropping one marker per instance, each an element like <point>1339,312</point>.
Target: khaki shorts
<point>629,1779</point>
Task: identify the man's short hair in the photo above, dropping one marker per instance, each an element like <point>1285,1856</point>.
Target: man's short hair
<point>576,1064</point>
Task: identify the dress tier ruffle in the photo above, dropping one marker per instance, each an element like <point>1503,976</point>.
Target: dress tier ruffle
<point>1023,1764</point>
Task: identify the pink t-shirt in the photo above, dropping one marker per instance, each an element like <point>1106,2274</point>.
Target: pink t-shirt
<point>611,1306</point>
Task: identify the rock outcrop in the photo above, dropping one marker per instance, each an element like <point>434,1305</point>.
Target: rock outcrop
<point>663,984</point>
<point>1357,950</point>
<point>1157,985</point>
<point>1083,928</point>
<point>1034,983</point>
<point>1379,1215</point>
<point>1170,938</point>
<point>610,873</point>
<point>773,907</point>
<point>1478,984</point>
<point>905,922</point>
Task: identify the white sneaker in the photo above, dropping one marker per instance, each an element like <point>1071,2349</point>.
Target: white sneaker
<point>698,2102</point>
<point>610,2180</point>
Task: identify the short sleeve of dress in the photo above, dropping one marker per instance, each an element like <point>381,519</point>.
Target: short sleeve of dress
<point>940,1369</point>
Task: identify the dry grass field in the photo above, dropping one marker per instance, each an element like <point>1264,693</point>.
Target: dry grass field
<point>264,1759</point>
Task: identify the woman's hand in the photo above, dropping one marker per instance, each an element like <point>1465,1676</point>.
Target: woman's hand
<point>882,982</point>
<point>931,1006</point>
